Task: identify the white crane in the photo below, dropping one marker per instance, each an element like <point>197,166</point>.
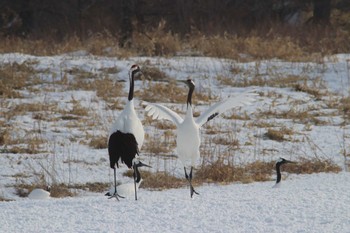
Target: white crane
<point>128,189</point>
<point>127,133</point>
<point>188,136</point>
<point>279,163</point>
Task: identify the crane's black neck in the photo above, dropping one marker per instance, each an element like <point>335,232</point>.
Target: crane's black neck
<point>278,171</point>
<point>137,175</point>
<point>131,90</point>
<point>189,96</point>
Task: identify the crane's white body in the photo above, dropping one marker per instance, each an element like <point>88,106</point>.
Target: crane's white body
<point>128,122</point>
<point>188,140</point>
<point>39,194</point>
<point>188,129</point>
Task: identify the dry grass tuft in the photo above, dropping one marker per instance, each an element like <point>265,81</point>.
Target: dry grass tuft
<point>91,187</point>
<point>14,77</point>
<point>98,142</point>
<point>220,172</point>
<point>106,88</point>
<point>61,190</point>
<point>156,42</point>
<point>165,125</point>
<point>31,143</point>
<point>278,135</point>
<point>302,116</point>
<point>256,79</point>
<point>154,74</point>
<point>226,140</point>
<point>345,106</point>
<point>309,166</point>
<point>305,88</point>
<point>160,181</point>
<point>167,92</point>
<point>159,145</point>
<point>77,110</point>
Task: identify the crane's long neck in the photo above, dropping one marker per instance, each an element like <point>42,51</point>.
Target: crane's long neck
<point>131,89</point>
<point>278,170</point>
<point>189,96</point>
<point>137,175</point>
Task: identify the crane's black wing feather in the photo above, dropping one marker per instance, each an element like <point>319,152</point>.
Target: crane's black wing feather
<point>122,146</point>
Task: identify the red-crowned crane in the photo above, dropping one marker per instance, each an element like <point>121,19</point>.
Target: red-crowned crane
<point>127,133</point>
<point>279,163</point>
<point>188,135</point>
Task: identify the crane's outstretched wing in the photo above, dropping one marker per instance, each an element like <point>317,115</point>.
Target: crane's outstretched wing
<point>157,111</point>
<point>238,100</point>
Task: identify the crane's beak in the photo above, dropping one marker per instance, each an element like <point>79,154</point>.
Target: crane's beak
<point>288,161</point>
<point>140,164</point>
<point>182,81</point>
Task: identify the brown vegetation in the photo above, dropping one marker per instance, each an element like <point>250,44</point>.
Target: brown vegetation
<point>221,172</point>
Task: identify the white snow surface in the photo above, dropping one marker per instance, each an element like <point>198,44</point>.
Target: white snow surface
<point>302,203</point>
<point>316,203</point>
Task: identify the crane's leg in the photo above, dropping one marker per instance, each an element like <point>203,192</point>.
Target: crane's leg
<point>134,175</point>
<point>189,178</point>
<point>116,195</point>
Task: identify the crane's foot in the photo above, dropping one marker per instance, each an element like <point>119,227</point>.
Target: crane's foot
<point>193,191</point>
<point>115,195</point>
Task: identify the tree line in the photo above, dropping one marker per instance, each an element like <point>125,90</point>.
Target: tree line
<point>60,19</point>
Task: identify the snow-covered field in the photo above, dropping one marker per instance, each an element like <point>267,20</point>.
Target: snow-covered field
<point>313,203</point>
<point>304,203</point>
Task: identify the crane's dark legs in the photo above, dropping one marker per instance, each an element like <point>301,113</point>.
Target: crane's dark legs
<point>134,175</point>
<point>189,178</point>
<point>116,195</point>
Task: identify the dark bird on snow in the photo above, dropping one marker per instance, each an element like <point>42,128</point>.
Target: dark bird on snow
<point>279,163</point>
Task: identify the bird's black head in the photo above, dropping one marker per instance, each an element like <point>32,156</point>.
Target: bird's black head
<point>135,67</point>
<point>189,82</point>
<point>135,71</point>
<point>281,161</point>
